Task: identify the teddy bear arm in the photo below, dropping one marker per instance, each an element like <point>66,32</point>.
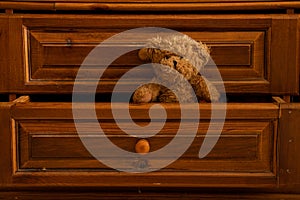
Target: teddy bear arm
<point>204,89</point>
<point>167,96</point>
<point>146,93</point>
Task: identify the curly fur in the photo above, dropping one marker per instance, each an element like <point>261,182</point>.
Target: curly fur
<point>182,45</point>
<point>154,55</point>
<point>182,65</point>
<point>147,93</point>
<point>178,79</point>
<point>204,89</point>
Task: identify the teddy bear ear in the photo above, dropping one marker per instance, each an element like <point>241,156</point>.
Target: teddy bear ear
<point>207,48</point>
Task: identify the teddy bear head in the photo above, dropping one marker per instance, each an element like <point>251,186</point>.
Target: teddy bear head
<point>183,46</point>
<point>177,62</point>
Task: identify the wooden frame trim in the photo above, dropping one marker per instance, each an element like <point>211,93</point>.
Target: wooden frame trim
<point>136,193</point>
<point>120,5</point>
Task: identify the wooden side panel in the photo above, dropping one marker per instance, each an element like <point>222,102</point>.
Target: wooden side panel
<point>284,61</point>
<point>6,145</point>
<point>289,147</point>
<point>4,55</point>
<point>17,58</point>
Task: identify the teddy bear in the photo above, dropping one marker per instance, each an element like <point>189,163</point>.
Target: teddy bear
<point>176,61</point>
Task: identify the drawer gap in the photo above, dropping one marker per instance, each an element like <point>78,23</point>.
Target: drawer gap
<point>106,97</point>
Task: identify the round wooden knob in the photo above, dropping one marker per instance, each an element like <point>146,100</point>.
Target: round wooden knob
<point>142,146</point>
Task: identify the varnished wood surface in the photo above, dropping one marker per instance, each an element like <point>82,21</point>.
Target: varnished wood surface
<point>153,1</point>
<point>6,160</point>
<point>255,39</point>
<point>289,146</point>
<point>144,5</point>
<point>57,54</point>
<point>59,110</point>
<point>4,58</point>
<point>143,196</point>
<point>289,58</point>
<point>243,146</point>
<point>246,175</point>
<point>267,55</point>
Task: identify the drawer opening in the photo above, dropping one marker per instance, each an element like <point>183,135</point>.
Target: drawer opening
<point>295,99</point>
<point>150,10</point>
<point>106,97</point>
<point>4,98</point>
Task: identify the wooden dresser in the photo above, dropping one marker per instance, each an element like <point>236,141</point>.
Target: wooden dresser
<point>255,45</point>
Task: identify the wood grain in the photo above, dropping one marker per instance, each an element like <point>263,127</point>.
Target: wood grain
<point>56,55</point>
<point>4,84</point>
<point>47,144</point>
<point>7,159</point>
<point>145,5</point>
<point>242,45</point>
<point>244,156</point>
<point>62,110</point>
<point>289,162</point>
<point>16,51</point>
<point>256,53</point>
<point>283,28</point>
<point>135,195</point>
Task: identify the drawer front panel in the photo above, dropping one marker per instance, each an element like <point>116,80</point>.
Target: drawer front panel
<point>46,139</point>
<point>243,47</point>
<point>57,56</point>
<point>54,145</point>
<point>47,151</point>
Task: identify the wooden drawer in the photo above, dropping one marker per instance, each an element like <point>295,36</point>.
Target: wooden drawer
<point>247,49</point>
<point>47,150</point>
<point>244,146</point>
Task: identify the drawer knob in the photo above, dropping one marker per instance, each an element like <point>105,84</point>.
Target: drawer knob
<point>142,146</point>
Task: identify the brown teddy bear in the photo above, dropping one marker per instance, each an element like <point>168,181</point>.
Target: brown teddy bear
<point>177,61</point>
